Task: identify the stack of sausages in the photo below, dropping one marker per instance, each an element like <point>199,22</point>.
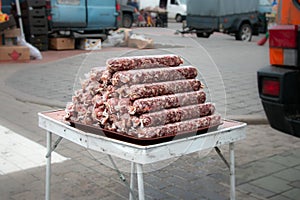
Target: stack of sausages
<point>143,96</point>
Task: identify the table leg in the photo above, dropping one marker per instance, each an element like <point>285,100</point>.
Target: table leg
<point>48,166</point>
<point>232,172</point>
<point>131,181</point>
<point>139,169</point>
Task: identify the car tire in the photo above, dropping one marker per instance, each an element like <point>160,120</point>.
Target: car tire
<point>178,18</point>
<point>203,34</point>
<point>244,33</point>
<point>127,20</point>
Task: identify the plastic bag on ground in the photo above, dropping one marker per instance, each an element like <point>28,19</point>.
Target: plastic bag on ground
<point>34,52</point>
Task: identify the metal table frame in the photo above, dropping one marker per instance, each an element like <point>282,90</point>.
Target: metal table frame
<point>228,133</point>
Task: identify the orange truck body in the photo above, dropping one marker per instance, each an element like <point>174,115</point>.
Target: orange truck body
<point>283,36</point>
<point>288,13</point>
<point>279,83</point>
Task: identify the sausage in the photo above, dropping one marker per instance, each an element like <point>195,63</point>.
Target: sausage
<point>95,74</point>
<point>143,96</point>
<point>105,77</point>
<point>179,127</point>
<point>153,75</point>
<point>151,104</point>
<point>116,105</point>
<point>157,89</point>
<point>140,62</point>
<point>176,114</point>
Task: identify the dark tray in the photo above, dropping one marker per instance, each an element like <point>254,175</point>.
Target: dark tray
<point>140,141</point>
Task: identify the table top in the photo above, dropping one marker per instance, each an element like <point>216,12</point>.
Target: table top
<point>230,131</point>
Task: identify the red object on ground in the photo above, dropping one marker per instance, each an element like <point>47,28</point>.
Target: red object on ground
<point>262,41</point>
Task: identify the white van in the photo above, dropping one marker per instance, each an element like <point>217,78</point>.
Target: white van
<point>176,9</point>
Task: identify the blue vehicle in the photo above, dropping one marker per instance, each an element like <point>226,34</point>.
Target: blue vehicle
<point>80,18</point>
<point>6,6</point>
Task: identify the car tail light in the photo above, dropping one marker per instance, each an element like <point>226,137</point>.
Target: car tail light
<point>271,87</point>
<point>283,45</point>
<point>283,36</point>
<point>118,7</point>
<point>48,10</point>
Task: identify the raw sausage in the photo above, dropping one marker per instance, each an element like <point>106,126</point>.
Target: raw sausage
<point>157,89</point>
<point>179,127</point>
<point>140,62</point>
<point>176,114</point>
<point>132,77</point>
<point>167,101</point>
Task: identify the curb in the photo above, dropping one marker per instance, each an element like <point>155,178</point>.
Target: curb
<point>250,119</point>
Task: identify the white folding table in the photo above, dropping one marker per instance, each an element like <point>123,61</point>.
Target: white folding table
<point>227,133</point>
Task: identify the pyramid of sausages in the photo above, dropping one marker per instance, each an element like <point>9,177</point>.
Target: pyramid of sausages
<point>143,96</point>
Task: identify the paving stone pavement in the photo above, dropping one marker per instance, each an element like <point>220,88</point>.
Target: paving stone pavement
<point>264,170</point>
<point>267,161</point>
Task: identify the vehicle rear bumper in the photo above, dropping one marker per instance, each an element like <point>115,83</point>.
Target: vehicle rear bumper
<point>283,117</point>
<point>282,111</point>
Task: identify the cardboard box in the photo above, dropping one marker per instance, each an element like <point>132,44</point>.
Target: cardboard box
<point>10,41</point>
<point>90,44</point>
<point>11,36</point>
<point>140,43</point>
<point>12,33</point>
<point>14,53</point>
<point>8,24</point>
<point>1,40</point>
<point>61,43</point>
<point>127,33</point>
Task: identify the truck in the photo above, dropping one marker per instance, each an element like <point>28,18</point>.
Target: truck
<point>279,82</point>
<point>239,18</point>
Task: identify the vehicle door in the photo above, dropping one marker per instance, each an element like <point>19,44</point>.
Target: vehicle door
<point>172,7</point>
<point>102,14</point>
<point>68,13</point>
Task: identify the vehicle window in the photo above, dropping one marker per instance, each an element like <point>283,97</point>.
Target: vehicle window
<point>69,2</point>
<point>182,2</point>
<point>173,1</point>
<point>264,2</point>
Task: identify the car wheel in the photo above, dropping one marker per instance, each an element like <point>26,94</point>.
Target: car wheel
<point>203,34</point>
<point>244,33</point>
<point>127,21</point>
<point>178,18</point>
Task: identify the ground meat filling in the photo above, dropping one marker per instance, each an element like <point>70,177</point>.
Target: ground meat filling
<point>142,62</point>
<point>143,96</point>
<point>132,77</point>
